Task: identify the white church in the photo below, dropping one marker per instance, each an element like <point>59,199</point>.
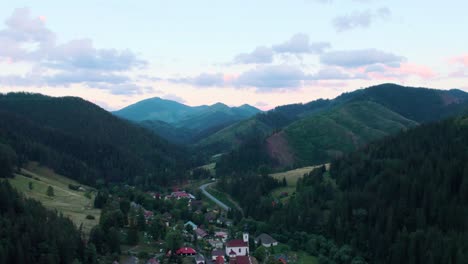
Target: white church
<point>238,247</point>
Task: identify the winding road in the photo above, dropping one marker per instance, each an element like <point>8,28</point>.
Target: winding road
<point>212,198</point>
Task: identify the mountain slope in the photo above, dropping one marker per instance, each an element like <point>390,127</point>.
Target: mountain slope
<point>155,109</point>
<point>82,141</point>
<point>261,125</point>
<point>186,122</point>
<point>417,104</point>
<point>399,200</point>
<point>320,131</point>
<point>322,137</point>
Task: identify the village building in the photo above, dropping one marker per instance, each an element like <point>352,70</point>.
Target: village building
<point>186,251</point>
<point>216,243</point>
<point>243,260</point>
<point>200,233</point>
<point>210,217</point>
<point>180,195</point>
<point>152,261</point>
<point>238,247</point>
<point>217,254</point>
<point>221,235</point>
<point>199,259</point>
<point>265,240</point>
<point>191,224</point>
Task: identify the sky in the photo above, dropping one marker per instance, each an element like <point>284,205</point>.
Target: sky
<point>264,53</point>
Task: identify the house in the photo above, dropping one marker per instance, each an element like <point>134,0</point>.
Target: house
<point>181,195</point>
<point>152,261</point>
<point>195,205</point>
<point>210,217</point>
<point>216,254</point>
<point>243,260</point>
<point>216,243</point>
<point>199,259</point>
<point>200,233</point>
<point>219,260</point>
<point>221,235</point>
<point>265,240</point>
<point>186,251</point>
<point>192,224</point>
<point>148,214</point>
<point>238,247</point>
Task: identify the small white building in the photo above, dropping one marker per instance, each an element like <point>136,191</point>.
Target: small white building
<point>266,240</point>
<point>238,247</point>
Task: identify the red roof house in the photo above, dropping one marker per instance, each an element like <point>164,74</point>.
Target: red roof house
<point>186,251</point>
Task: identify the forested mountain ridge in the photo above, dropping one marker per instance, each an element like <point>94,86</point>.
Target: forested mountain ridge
<point>326,136</point>
<point>403,199</point>
<point>325,129</point>
<point>168,118</point>
<point>82,141</point>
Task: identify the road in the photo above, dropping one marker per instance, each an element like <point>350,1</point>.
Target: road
<point>212,198</point>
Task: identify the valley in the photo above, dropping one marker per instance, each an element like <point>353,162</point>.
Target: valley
<point>321,180</point>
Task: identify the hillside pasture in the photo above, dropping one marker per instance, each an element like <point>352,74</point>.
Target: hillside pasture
<point>291,176</point>
<point>71,203</point>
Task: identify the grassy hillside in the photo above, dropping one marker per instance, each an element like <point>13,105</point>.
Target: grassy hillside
<point>71,203</point>
<point>322,137</point>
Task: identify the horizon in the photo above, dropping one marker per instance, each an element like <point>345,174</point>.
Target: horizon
<point>202,53</point>
<point>242,104</point>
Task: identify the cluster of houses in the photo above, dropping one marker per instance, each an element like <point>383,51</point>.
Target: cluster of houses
<point>237,251</point>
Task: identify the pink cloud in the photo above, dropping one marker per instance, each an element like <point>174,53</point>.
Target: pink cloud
<point>414,69</point>
<point>462,59</point>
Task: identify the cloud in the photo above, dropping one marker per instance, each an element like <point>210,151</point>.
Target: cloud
<point>261,104</point>
<point>203,79</point>
<point>81,54</point>
<point>27,39</point>
<point>267,78</point>
<point>174,97</point>
<point>331,73</point>
<point>259,55</point>
<point>362,19</point>
<point>300,44</point>
<point>357,58</point>
<point>461,60</point>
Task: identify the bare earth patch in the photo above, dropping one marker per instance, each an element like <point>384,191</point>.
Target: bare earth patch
<point>278,149</point>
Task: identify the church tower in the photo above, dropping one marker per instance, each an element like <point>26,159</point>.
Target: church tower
<point>246,237</point>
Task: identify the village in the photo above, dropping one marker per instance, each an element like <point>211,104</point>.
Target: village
<point>205,233</point>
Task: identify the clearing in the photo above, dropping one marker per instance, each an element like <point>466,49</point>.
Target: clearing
<point>71,203</point>
<point>291,179</point>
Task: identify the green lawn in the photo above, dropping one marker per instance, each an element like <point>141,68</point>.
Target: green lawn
<point>72,204</point>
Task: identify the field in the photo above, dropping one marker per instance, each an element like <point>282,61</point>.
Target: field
<point>73,204</point>
<point>291,179</point>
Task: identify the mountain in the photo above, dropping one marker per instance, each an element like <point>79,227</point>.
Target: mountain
<point>157,109</point>
<point>80,140</point>
<point>184,124</point>
<point>403,199</point>
<point>322,130</point>
<point>260,125</point>
<point>325,136</point>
